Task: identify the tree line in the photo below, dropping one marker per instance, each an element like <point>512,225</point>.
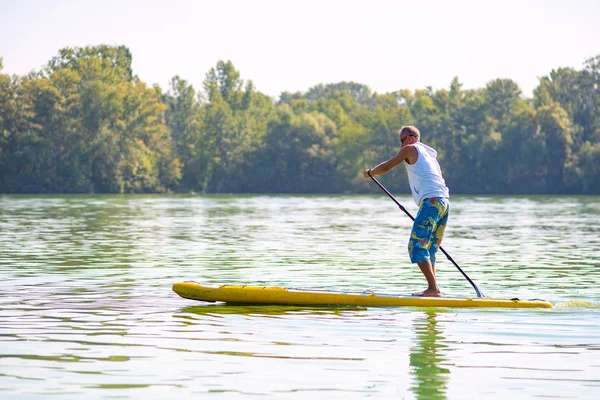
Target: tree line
<point>85,123</point>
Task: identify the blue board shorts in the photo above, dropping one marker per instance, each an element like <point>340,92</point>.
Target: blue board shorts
<point>428,230</point>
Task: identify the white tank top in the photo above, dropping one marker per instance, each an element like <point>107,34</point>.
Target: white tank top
<point>425,176</point>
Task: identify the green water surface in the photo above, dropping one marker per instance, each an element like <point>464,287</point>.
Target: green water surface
<point>87,311</point>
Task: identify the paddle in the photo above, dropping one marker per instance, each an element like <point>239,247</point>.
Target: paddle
<point>479,294</point>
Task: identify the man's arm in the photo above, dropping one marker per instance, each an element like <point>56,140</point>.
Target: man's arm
<point>405,153</point>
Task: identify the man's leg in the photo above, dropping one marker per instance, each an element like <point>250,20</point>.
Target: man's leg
<point>420,242</point>
<point>432,288</point>
<point>443,207</point>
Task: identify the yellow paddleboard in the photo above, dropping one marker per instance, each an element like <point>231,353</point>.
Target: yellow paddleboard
<point>280,295</point>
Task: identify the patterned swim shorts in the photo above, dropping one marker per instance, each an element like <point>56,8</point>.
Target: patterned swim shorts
<point>428,230</point>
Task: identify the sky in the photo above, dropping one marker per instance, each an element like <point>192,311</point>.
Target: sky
<point>292,45</point>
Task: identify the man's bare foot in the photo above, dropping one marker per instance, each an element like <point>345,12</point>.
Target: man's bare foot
<point>429,293</point>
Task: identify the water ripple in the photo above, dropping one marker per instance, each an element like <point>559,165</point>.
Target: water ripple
<point>86,308</point>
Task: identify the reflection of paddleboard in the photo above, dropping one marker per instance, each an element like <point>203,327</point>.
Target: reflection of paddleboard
<point>279,295</point>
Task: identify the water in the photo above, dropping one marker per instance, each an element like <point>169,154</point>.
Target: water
<point>87,311</point>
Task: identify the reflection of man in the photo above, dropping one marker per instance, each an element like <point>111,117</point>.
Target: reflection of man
<point>431,195</point>
<point>425,359</point>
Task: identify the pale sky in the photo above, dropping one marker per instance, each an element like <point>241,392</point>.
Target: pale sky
<point>291,45</point>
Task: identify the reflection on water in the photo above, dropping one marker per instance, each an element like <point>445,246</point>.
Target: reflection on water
<point>221,308</point>
<point>86,308</point>
<point>427,358</point>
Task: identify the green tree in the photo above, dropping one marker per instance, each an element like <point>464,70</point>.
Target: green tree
<point>577,93</point>
<point>224,82</point>
<point>554,124</point>
<point>185,121</point>
<point>360,93</point>
<point>86,123</point>
<point>111,63</point>
<point>587,168</point>
<point>298,156</point>
<point>235,121</point>
<point>146,162</point>
<point>501,98</point>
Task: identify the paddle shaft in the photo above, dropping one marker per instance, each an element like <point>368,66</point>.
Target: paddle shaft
<point>479,293</point>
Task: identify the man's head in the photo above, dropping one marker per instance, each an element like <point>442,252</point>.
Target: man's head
<point>409,135</point>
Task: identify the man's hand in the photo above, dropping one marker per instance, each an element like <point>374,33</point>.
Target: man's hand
<point>408,152</point>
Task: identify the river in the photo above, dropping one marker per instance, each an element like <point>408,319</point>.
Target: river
<point>87,311</point>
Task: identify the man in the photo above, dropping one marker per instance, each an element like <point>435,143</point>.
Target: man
<point>431,195</point>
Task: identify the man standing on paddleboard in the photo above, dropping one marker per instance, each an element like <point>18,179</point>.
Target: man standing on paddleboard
<point>431,194</point>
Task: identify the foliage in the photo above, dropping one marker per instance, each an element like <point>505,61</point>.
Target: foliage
<point>86,123</point>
